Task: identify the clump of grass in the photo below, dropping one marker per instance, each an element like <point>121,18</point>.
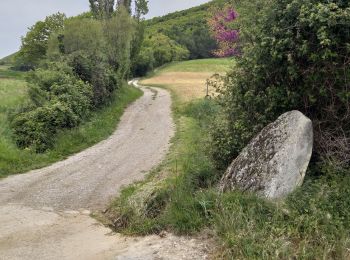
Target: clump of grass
<point>312,223</point>
<point>100,125</point>
<point>174,204</point>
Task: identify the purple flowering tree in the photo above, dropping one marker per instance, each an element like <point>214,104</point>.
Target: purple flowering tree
<point>220,25</point>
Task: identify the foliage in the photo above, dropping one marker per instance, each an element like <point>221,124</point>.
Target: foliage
<point>102,9</point>
<point>83,43</point>
<point>141,8</point>
<point>188,28</point>
<point>226,37</point>
<point>86,61</point>
<point>101,124</point>
<point>157,50</point>
<point>59,101</point>
<point>311,223</point>
<point>35,43</point>
<point>119,34</point>
<point>295,56</point>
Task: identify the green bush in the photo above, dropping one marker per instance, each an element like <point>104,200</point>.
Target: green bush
<point>59,100</point>
<point>295,55</point>
<point>157,50</point>
<point>95,70</point>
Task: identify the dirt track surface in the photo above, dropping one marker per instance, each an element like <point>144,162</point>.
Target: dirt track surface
<point>91,178</point>
<point>44,214</point>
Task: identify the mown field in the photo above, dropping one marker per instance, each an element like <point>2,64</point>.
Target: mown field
<point>13,95</point>
<point>187,80</point>
<point>181,194</point>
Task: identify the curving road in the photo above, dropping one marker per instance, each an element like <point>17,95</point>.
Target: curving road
<point>91,178</point>
<point>44,214</point>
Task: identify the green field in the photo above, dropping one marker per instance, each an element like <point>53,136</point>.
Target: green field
<point>203,65</point>
<point>13,93</point>
<point>7,73</point>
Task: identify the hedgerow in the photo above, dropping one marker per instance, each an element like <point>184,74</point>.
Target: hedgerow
<point>295,56</point>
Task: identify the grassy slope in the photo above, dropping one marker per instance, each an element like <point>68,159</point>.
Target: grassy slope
<point>312,223</point>
<point>8,59</point>
<point>101,125</point>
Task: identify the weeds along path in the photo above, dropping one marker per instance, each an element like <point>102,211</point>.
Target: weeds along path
<point>44,214</point>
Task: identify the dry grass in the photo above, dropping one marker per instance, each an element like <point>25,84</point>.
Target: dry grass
<point>186,85</point>
<point>187,79</point>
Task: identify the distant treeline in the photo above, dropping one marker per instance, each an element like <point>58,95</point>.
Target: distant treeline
<point>177,36</point>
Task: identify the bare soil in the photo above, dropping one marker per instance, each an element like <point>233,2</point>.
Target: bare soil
<point>44,214</point>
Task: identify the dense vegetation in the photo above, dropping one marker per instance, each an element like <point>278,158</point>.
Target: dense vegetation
<point>294,56</point>
<point>99,125</point>
<point>78,64</point>
<point>177,36</point>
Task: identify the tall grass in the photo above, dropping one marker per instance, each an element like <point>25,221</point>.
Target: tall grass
<point>312,223</point>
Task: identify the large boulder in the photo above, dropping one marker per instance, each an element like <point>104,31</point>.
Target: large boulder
<point>275,162</point>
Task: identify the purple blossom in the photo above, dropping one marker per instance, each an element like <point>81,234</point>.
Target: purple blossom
<point>228,36</point>
<point>231,15</point>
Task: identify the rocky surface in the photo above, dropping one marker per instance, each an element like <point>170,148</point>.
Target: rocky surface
<point>275,162</point>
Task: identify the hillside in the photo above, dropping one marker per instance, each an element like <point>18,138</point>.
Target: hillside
<point>8,59</point>
<point>188,28</point>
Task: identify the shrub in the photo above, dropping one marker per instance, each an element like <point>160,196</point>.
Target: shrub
<point>95,70</point>
<point>296,56</point>
<point>158,50</point>
<point>59,100</point>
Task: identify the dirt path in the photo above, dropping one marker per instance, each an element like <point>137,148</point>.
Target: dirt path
<point>44,214</point>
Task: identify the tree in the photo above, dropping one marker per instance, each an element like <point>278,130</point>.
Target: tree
<point>221,28</point>
<point>35,43</point>
<point>141,8</point>
<point>102,9</point>
<point>157,50</point>
<point>125,3</point>
<point>119,33</point>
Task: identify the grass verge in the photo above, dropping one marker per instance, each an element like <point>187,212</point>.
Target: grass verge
<point>100,125</point>
<point>181,196</point>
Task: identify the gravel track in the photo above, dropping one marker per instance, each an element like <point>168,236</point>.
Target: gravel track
<point>90,179</point>
<point>44,214</point>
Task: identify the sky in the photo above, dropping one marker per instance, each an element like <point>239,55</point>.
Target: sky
<point>17,15</point>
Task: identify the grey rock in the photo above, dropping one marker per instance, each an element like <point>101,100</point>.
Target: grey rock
<point>274,163</point>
